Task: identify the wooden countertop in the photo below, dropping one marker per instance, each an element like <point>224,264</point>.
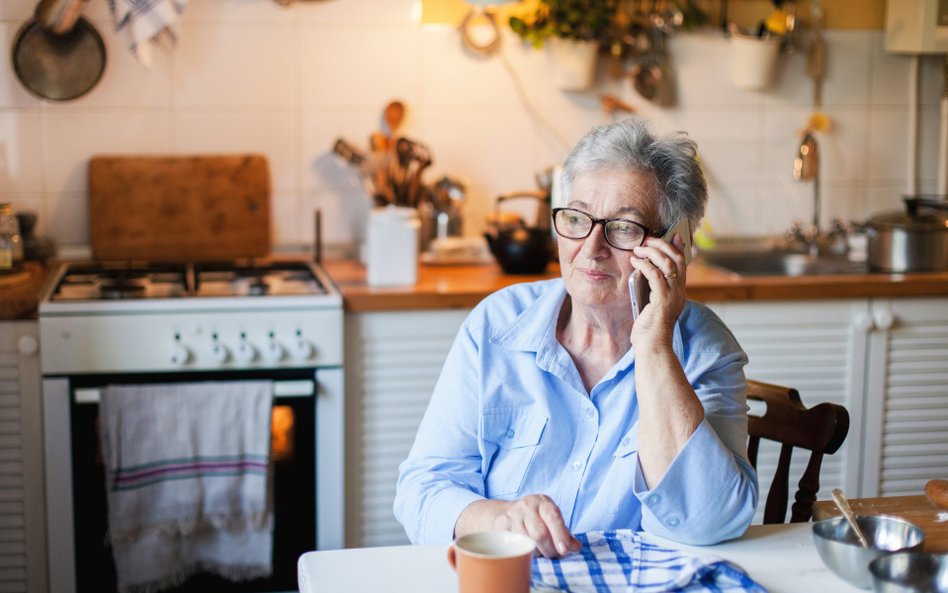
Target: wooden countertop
<point>19,291</point>
<point>448,287</point>
<point>914,509</point>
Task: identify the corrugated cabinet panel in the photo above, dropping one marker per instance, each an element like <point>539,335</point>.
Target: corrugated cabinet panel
<point>914,445</point>
<point>392,363</point>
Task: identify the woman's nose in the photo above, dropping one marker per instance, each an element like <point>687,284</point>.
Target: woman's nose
<point>596,241</point>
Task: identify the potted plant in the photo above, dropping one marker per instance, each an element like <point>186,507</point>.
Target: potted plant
<point>573,31</point>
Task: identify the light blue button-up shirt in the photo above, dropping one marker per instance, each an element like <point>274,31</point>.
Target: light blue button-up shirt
<point>510,416</point>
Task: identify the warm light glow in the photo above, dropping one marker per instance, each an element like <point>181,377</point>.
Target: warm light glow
<point>282,433</point>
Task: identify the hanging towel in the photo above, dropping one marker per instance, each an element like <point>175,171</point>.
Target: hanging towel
<point>625,561</point>
<point>187,481</point>
<point>141,21</point>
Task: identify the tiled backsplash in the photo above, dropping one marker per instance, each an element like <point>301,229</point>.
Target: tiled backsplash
<point>250,75</point>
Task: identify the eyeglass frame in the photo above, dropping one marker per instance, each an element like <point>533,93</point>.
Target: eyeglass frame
<point>603,222</point>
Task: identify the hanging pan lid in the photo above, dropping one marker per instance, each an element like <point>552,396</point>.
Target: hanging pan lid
<point>62,66</point>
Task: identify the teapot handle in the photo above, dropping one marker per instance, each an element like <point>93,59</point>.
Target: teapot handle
<point>543,210</point>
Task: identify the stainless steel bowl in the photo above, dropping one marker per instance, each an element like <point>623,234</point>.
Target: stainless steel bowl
<point>910,572</point>
<point>840,550</point>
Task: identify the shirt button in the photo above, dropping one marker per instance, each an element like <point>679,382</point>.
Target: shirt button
<point>626,441</point>
<point>577,466</point>
<point>653,499</point>
<point>509,434</point>
<point>673,521</point>
<point>590,413</point>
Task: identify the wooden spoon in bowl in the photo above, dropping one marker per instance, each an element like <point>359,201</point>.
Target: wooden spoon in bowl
<point>843,505</point>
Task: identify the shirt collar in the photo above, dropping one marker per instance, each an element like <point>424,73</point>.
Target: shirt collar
<point>535,326</point>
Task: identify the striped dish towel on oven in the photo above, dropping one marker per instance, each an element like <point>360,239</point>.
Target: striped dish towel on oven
<point>624,561</point>
<point>187,481</point>
<point>141,21</point>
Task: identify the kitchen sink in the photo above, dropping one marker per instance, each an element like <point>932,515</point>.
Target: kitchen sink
<point>781,263</point>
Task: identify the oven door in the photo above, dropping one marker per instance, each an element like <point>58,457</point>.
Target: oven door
<point>306,461</point>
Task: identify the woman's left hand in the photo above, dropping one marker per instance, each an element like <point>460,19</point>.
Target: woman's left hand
<point>663,265</point>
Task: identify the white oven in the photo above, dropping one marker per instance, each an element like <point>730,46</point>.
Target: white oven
<point>107,324</point>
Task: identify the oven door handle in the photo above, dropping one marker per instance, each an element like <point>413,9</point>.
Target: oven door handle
<point>300,388</point>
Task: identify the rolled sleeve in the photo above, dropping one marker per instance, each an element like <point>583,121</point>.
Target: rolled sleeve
<point>706,496</point>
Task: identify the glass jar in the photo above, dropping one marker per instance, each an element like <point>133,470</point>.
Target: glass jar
<point>11,243</point>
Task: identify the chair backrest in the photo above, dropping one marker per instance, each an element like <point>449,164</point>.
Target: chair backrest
<point>820,430</point>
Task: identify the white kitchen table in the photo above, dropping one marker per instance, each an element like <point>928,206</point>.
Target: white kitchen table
<point>781,558</point>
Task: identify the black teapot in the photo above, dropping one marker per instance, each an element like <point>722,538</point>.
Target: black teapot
<point>520,249</point>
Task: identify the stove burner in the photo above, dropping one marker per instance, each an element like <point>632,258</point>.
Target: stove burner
<point>258,287</point>
<point>121,289</point>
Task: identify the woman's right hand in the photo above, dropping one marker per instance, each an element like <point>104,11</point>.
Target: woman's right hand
<point>534,515</point>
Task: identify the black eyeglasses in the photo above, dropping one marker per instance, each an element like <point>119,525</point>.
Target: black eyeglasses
<point>621,233</point>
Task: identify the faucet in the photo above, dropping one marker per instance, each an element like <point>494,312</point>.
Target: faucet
<point>806,167</point>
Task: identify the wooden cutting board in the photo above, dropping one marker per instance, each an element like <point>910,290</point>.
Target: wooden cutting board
<point>179,208</point>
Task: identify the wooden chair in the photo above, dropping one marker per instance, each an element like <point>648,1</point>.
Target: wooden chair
<point>820,430</point>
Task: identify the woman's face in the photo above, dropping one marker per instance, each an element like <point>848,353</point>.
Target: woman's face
<point>596,274</point>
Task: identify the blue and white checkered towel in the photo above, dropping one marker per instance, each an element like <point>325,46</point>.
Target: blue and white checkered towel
<point>141,21</point>
<point>624,561</point>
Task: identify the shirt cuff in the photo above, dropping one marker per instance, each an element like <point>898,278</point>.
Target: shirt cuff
<point>443,512</point>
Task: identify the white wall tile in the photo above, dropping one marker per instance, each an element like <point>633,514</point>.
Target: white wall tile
<point>67,216</point>
<point>239,11</point>
<point>889,75</point>
<point>783,202</point>
<point>931,79</point>
<point>848,65</point>
<point>21,150</point>
<point>733,210</point>
<point>344,217</point>
<point>73,137</point>
<point>285,218</point>
<point>732,161</point>
<point>888,145</point>
<point>357,68</point>
<point>452,77</point>
<point>274,135</point>
<point>358,11</point>
<point>842,148</point>
<point>703,64</point>
<point>16,10</point>
<point>235,64</point>
<point>29,202</point>
<point>929,127</point>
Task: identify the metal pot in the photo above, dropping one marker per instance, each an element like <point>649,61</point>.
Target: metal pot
<point>915,240</point>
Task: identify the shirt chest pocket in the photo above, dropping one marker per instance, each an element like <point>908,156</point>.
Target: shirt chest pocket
<point>511,437</point>
<point>628,445</point>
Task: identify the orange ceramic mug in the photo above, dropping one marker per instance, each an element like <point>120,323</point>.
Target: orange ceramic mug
<point>492,562</point>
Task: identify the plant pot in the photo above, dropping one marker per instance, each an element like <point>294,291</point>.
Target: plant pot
<point>572,63</point>
<point>753,61</point>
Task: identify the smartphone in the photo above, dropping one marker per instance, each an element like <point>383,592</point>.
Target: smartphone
<point>638,284</point>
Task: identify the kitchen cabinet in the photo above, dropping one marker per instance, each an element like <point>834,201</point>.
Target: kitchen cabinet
<point>906,396</point>
<point>22,554</point>
<point>393,360</point>
<point>885,360</point>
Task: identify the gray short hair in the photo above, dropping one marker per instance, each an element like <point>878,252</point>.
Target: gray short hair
<point>630,144</point>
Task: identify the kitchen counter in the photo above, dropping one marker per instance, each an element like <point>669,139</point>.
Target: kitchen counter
<point>19,291</point>
<point>462,287</point>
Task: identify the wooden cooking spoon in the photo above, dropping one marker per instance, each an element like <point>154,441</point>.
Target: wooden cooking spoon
<point>393,115</point>
<point>936,491</point>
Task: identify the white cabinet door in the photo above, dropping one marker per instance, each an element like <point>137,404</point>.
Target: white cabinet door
<point>22,554</point>
<point>818,348</point>
<point>906,396</point>
<point>393,360</point>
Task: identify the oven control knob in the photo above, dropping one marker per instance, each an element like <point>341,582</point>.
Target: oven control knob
<point>245,352</point>
<point>219,352</point>
<point>180,355</point>
<point>302,349</point>
<point>274,351</point>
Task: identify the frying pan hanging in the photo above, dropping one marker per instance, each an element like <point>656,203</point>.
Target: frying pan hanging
<point>58,66</point>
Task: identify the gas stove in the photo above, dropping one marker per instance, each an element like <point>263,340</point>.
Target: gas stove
<point>139,316</point>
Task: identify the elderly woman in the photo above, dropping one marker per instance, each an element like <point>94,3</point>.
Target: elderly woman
<point>546,422</point>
